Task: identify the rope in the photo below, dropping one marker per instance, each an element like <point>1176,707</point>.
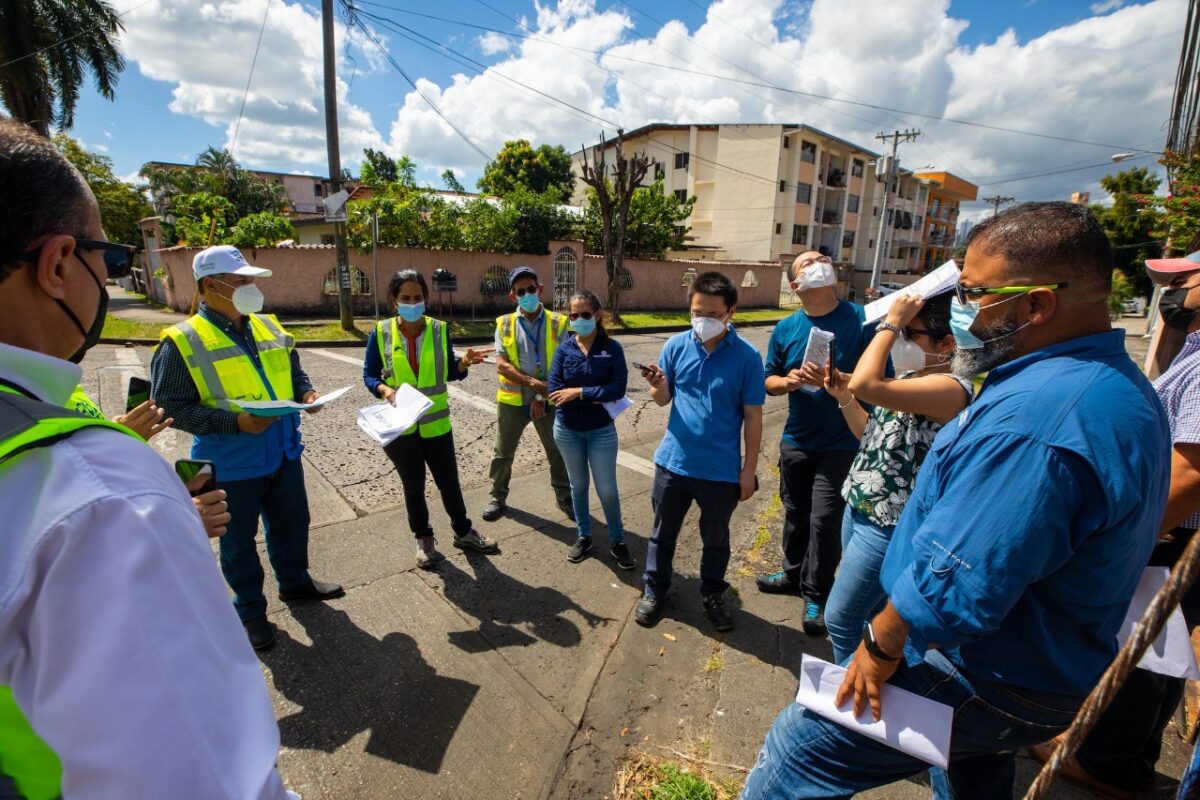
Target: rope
<point>1147,630</point>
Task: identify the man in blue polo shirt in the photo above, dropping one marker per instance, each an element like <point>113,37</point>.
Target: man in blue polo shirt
<point>713,380</point>
<point>1014,562</point>
<point>818,447</point>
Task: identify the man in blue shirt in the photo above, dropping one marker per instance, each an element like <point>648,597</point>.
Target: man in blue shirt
<point>817,447</point>
<point>713,380</point>
<point>1014,562</point>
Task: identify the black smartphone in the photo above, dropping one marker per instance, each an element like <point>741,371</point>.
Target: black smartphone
<point>139,392</point>
<point>832,359</point>
<point>198,476</point>
<point>639,366</point>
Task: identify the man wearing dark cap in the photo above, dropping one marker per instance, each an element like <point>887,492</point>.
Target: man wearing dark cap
<point>525,343</point>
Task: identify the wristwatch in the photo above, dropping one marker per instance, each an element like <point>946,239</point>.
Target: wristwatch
<point>872,644</point>
<point>887,326</point>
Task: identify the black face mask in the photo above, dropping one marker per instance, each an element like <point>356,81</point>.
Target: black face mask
<point>92,335</point>
<point>1173,312</point>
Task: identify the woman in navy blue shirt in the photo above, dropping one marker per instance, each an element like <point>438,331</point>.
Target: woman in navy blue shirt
<point>588,371</point>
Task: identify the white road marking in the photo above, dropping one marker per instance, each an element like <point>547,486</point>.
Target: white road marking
<point>128,357</point>
<point>635,463</point>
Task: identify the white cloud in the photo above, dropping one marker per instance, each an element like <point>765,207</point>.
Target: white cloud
<point>205,49</point>
<point>492,43</point>
<point>1105,6</point>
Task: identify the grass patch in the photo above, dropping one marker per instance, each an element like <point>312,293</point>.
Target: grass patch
<point>766,519</point>
<point>716,662</point>
<point>647,319</point>
<point>116,328</point>
<point>644,777</point>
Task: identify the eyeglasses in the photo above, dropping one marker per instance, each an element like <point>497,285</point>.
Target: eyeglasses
<point>118,258</point>
<point>574,315</point>
<point>527,290</point>
<point>968,292</point>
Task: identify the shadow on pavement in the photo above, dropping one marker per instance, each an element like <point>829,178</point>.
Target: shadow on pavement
<point>348,682</point>
<point>566,533</point>
<point>501,603</point>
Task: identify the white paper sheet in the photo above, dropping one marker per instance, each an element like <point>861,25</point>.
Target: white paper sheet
<point>617,407</point>
<point>817,352</point>
<point>1171,653</point>
<point>383,422</point>
<point>932,284</point>
<point>279,408</point>
<point>910,723</point>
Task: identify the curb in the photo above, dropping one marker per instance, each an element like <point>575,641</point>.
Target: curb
<point>470,340</point>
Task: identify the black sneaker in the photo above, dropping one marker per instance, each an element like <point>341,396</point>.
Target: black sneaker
<point>717,611</point>
<point>648,609</point>
<point>621,553</point>
<point>312,591</point>
<point>568,508</point>
<point>777,583</point>
<point>493,511</point>
<point>579,550</point>
<point>260,632</point>
<point>814,619</point>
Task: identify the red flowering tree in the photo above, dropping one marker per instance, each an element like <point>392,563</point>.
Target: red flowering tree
<point>1180,218</point>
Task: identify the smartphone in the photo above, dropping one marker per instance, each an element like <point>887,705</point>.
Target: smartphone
<point>639,366</point>
<point>139,392</point>
<point>832,359</point>
<point>198,476</point>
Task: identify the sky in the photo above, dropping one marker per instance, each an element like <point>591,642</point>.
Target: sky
<point>1096,74</point>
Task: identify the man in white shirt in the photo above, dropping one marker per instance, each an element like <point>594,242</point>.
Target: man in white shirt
<point>123,669</point>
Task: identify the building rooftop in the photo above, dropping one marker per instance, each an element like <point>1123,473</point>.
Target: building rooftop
<point>795,128</point>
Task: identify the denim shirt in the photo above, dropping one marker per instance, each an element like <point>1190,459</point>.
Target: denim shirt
<point>601,373</point>
<point>1033,518</point>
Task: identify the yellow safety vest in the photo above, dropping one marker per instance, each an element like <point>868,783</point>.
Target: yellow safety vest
<point>81,402</point>
<point>222,371</point>
<point>555,327</point>
<point>433,366</point>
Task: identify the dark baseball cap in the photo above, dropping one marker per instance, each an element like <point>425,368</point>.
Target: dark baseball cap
<point>520,272</point>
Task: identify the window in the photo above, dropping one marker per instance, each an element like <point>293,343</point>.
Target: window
<point>889,217</point>
<point>848,239</point>
<point>495,281</point>
<point>681,195</point>
<point>778,228</point>
<point>856,168</point>
<point>787,143</point>
<point>799,234</point>
<point>870,244</point>
<point>359,284</point>
<point>852,204</point>
<point>783,186</point>
<point>804,193</point>
<point>919,221</point>
<point>875,211</point>
<point>318,190</point>
<point>681,160</point>
<point>326,238</point>
<point>808,152</point>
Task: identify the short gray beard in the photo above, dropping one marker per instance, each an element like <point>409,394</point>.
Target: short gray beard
<point>999,345</point>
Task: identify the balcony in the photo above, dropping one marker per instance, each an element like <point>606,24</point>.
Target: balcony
<point>830,217</point>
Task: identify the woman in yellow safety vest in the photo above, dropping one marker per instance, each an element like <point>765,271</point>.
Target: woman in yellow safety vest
<point>411,348</point>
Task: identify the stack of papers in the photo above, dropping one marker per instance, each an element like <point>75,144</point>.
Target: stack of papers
<point>817,352</point>
<point>384,422</point>
<point>909,723</point>
<point>281,408</point>
<point>1171,653</point>
<point>931,285</point>
<point>616,408</point>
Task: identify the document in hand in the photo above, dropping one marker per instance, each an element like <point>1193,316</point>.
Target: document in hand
<point>1171,653</point>
<point>384,422</point>
<point>910,723</point>
<point>281,408</point>
<point>617,407</point>
<point>817,352</point>
<point>932,284</point>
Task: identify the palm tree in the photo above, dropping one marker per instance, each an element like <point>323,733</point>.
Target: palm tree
<point>222,165</point>
<point>46,47</point>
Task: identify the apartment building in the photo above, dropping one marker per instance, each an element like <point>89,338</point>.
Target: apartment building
<point>946,193</point>
<point>304,192</point>
<point>763,191</point>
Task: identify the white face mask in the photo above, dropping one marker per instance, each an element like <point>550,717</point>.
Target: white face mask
<point>707,327</point>
<point>247,299</point>
<point>815,276</point>
<point>907,356</point>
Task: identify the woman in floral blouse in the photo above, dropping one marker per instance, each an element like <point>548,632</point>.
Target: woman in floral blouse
<point>895,436</point>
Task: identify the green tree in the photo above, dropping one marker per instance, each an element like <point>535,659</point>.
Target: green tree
<point>122,205</point>
<point>656,223</point>
<point>194,215</point>
<point>48,47</point>
<point>263,229</point>
<point>1180,220</point>
<point>1130,223</point>
<point>452,183</point>
<point>519,166</point>
<point>378,169</point>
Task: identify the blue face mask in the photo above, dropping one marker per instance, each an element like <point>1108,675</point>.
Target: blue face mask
<point>583,327</point>
<point>962,316</point>
<point>529,302</point>
<point>410,313</point>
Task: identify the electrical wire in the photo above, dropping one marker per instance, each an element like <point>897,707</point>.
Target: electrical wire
<point>246,94</point>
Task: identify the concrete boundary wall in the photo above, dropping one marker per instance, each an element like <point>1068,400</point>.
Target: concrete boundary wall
<point>298,286</point>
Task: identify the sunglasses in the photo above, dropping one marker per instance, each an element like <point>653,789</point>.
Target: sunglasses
<point>574,315</point>
<point>118,258</point>
<point>965,293</point>
<point>527,290</point>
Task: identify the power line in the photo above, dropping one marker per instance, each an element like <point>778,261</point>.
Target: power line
<point>238,126</point>
<point>1108,163</point>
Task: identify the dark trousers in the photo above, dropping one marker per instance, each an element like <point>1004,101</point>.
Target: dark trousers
<point>281,501</point>
<point>1125,744</point>
<point>810,485</point>
<point>411,454</point>
<point>671,498</point>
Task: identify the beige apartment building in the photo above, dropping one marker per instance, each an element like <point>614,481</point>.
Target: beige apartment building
<point>763,191</point>
<point>304,192</point>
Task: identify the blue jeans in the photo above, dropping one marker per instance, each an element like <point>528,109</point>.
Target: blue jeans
<point>599,449</point>
<point>282,502</point>
<point>857,595</point>
<point>805,756</point>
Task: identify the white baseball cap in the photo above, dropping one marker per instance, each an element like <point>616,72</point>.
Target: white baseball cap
<point>225,259</point>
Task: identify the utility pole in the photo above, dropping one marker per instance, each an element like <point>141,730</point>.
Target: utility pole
<point>998,200</point>
<point>335,163</point>
<point>880,241</point>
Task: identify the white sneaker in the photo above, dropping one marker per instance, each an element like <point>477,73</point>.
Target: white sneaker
<point>427,553</point>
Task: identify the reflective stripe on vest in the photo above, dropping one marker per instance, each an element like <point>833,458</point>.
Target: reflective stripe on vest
<point>432,367</point>
<point>79,401</point>
<point>555,326</point>
<point>222,371</point>
<point>27,424</point>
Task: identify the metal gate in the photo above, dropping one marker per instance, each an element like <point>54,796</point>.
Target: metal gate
<point>565,267</point>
